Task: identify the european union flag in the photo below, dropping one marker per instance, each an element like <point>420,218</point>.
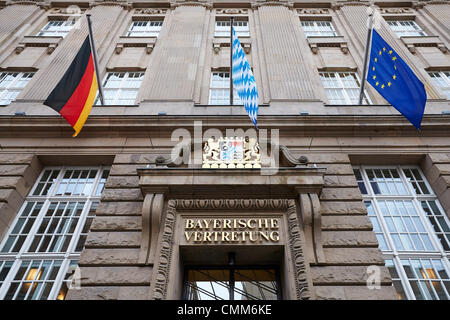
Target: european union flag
<point>395,81</point>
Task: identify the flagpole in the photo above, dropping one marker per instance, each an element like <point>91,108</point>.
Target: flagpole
<point>366,58</point>
<point>231,60</point>
<point>94,55</point>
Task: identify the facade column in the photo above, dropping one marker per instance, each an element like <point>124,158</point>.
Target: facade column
<point>291,77</point>
<point>173,69</point>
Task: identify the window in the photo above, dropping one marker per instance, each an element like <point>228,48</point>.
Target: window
<point>405,28</point>
<point>442,80</point>
<point>11,83</point>
<point>121,88</point>
<point>318,29</point>
<point>240,27</point>
<point>342,87</point>
<point>145,28</point>
<point>56,28</point>
<point>412,230</point>
<point>232,284</point>
<point>42,248</point>
<point>219,92</point>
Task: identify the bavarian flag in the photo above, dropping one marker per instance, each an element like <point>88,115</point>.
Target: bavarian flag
<point>74,95</point>
<point>395,81</point>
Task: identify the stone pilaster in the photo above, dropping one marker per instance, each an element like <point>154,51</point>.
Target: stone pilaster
<point>173,69</point>
<point>290,77</point>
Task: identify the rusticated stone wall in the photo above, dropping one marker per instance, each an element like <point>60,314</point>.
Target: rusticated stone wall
<point>109,262</point>
<point>349,244</point>
<point>18,172</point>
<point>436,167</point>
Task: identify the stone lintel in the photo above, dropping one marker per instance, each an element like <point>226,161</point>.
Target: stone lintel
<point>200,182</point>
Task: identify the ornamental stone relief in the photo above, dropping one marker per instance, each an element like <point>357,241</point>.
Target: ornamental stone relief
<point>294,239</point>
<point>231,153</point>
<point>150,11</point>
<point>397,11</point>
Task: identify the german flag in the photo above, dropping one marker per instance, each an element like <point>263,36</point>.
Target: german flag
<point>74,95</point>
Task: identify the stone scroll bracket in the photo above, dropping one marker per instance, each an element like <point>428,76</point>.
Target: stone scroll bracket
<point>152,210</point>
<point>312,223</point>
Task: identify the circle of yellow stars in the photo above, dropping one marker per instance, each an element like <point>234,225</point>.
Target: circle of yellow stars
<point>394,58</point>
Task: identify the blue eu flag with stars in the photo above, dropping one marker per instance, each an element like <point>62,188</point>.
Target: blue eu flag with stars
<point>395,81</point>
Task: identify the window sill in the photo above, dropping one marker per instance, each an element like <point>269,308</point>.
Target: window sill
<point>322,41</point>
<point>145,42</point>
<point>39,41</point>
<point>224,42</point>
<point>412,42</point>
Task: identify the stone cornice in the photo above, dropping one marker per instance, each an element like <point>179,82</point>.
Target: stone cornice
<point>192,3</point>
<point>122,3</point>
<point>98,126</point>
<point>41,4</point>
<point>287,4</point>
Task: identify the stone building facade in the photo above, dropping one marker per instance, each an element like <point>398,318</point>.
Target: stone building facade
<point>322,240</point>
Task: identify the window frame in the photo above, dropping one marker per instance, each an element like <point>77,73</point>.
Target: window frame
<point>401,32</point>
<point>12,87</point>
<point>445,78</point>
<point>119,90</point>
<point>66,257</point>
<point>225,33</point>
<point>57,33</point>
<point>316,28</point>
<point>231,269</point>
<point>392,253</point>
<point>145,34</point>
<point>236,99</point>
<point>341,87</point>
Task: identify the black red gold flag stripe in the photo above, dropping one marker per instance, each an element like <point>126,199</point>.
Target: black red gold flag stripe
<point>74,95</point>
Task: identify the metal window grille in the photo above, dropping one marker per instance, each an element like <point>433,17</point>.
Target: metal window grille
<point>121,88</point>
<point>149,28</point>
<point>219,90</point>
<point>240,27</point>
<point>40,251</point>
<point>442,80</point>
<point>406,28</point>
<point>232,284</point>
<point>318,29</point>
<point>56,28</point>
<point>342,87</point>
<point>11,84</point>
<point>412,229</point>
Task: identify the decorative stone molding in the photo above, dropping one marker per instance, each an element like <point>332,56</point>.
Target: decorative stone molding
<point>207,5</point>
<point>295,241</point>
<point>232,204</point>
<point>151,220</point>
<point>150,11</point>
<point>418,4</point>
<point>33,41</point>
<point>338,4</point>
<point>232,11</point>
<point>313,11</point>
<point>296,245</point>
<point>218,44</point>
<point>123,3</point>
<point>316,42</point>
<point>397,11</point>
<point>290,160</point>
<point>425,41</point>
<point>312,222</point>
<point>278,3</point>
<point>165,254</point>
<point>70,10</point>
<point>147,42</point>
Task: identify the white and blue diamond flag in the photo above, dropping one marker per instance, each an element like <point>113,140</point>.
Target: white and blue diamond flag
<point>244,81</point>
